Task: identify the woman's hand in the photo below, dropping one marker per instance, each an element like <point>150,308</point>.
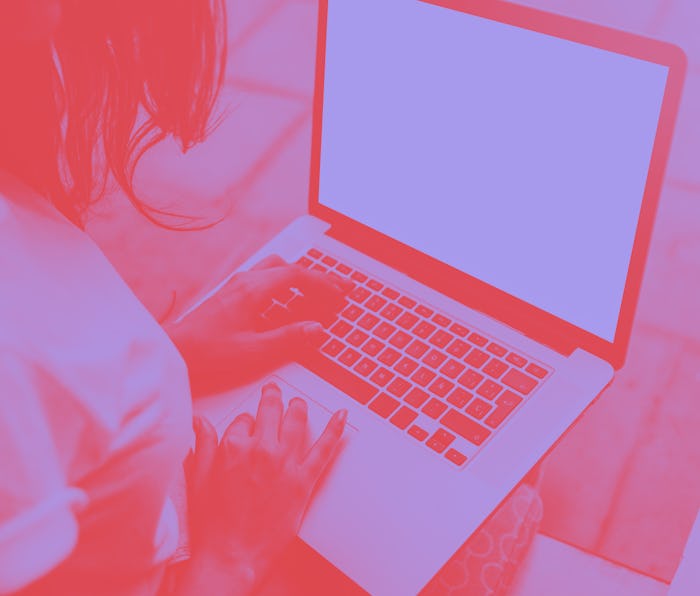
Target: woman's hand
<point>226,342</point>
<point>249,494</point>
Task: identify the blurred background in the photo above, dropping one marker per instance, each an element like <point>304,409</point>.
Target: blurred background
<point>624,483</point>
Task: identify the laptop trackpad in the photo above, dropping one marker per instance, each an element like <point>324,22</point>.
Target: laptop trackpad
<point>318,414</point>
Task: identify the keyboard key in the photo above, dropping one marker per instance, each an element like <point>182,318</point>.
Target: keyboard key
<point>441,387</point>
<point>330,261</point>
<point>389,357</point>
<point>344,269</point>
<point>519,381</point>
<point>476,358</point>
<point>455,457</point>
<point>407,302</point>
<point>538,371</point>
<point>416,349</point>
<point>495,368</point>
<point>489,389</point>
<point>391,311</point>
<point>465,427</point>
<point>398,387</point>
<point>434,408</point>
<point>349,357</point>
<point>360,277</point>
<point>459,398</point>
<point>368,321</point>
<point>406,366</point>
<point>452,369</point>
<point>390,293</point>
<point>440,440</point>
<point>424,329</point>
<point>407,320</point>
<point>424,311</point>
<point>365,366</point>
<point>359,294</point>
<point>345,380</point>
<point>373,347</point>
<point>384,405</point>
<point>497,350</point>
<point>477,339</point>
<point>458,348</point>
<point>304,261</point>
<point>418,433</point>
<point>416,397</point>
<point>356,338</point>
<point>319,268</point>
<point>441,339</point>
<point>403,417</point>
<point>458,329</point>
<point>384,330</point>
<point>400,339</point>
<point>314,253</point>
<point>516,360</point>
<point>441,320</point>
<point>509,400</point>
<point>352,312</point>
<point>434,358</point>
<point>333,347</point>
<point>470,379</point>
<point>341,328</point>
<point>382,377</point>
<point>374,285</point>
<point>497,417</point>
<point>478,408</point>
<point>423,376</point>
<point>375,303</point>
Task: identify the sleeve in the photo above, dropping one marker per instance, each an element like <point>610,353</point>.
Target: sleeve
<point>38,527</point>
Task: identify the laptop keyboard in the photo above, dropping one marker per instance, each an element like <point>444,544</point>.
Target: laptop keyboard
<point>443,383</point>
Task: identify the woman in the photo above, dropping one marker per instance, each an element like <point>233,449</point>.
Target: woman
<point>96,413</point>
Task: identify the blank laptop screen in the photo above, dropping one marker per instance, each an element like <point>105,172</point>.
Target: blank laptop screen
<point>516,157</point>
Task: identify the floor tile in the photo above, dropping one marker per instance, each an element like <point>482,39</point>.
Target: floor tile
<point>668,299</point>
<point>282,54</point>
<point>660,485</point>
<point>684,161</point>
<point>581,475</point>
<point>553,568</point>
<point>680,25</point>
<point>635,16</point>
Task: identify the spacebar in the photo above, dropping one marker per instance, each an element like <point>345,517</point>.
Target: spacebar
<point>357,388</point>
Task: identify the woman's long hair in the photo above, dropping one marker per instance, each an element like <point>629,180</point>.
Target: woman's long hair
<point>115,78</point>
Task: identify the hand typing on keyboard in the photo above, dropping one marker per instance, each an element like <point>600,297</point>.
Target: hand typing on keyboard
<point>428,376</point>
<point>259,320</point>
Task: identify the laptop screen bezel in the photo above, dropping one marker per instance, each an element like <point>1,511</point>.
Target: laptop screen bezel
<point>526,318</point>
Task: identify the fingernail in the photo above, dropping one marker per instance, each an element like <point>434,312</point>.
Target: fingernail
<point>270,385</point>
<point>342,416</point>
<point>196,424</point>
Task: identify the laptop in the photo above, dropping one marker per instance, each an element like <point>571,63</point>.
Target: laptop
<point>487,174</point>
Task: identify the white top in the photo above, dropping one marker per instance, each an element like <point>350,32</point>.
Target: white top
<point>95,413</point>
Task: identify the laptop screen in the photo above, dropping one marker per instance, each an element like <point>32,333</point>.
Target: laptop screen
<point>516,157</point>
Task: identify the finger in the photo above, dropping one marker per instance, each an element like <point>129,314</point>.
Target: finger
<point>269,262</point>
<point>241,427</point>
<point>283,342</point>
<point>206,443</point>
<point>324,448</point>
<point>267,421</point>
<point>294,424</point>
